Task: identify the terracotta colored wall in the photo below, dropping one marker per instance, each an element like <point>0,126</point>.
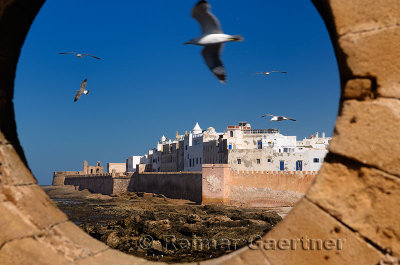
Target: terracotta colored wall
<point>181,185</point>
<point>253,188</point>
<point>214,188</point>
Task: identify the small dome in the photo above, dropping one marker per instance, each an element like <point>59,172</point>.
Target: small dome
<point>163,138</point>
<point>197,129</point>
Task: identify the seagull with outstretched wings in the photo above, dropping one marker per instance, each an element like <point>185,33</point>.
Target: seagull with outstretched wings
<point>81,91</point>
<point>277,118</point>
<point>268,73</point>
<point>212,38</point>
<point>80,55</point>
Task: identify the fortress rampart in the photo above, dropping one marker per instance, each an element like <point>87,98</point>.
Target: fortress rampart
<point>221,185</point>
<point>215,184</point>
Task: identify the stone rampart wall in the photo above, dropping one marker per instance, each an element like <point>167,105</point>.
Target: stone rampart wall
<point>222,185</point>
<point>176,185</point>
<point>59,176</point>
<point>96,184</point>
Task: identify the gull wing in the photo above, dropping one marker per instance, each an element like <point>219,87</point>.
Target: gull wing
<point>83,85</point>
<point>279,72</point>
<point>268,115</point>
<point>67,53</point>
<point>212,57</point>
<point>78,95</point>
<point>257,73</point>
<point>80,91</point>
<point>91,56</point>
<point>287,118</point>
<point>208,22</point>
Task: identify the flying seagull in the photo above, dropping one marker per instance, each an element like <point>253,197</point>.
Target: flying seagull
<point>212,38</point>
<point>268,73</point>
<point>80,55</point>
<point>278,118</point>
<point>81,91</point>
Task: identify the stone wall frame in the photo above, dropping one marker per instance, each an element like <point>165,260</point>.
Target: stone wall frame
<point>355,198</point>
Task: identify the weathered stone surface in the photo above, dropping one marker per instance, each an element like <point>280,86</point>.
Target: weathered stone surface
<point>373,54</point>
<point>29,251</point>
<point>13,224</point>
<point>368,132</point>
<point>75,236</point>
<point>364,15</point>
<point>110,256</point>
<point>10,171</point>
<point>240,257</point>
<point>34,205</point>
<point>365,199</point>
<point>368,34</point>
<point>307,221</point>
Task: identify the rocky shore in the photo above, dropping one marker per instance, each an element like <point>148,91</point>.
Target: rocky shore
<point>158,228</point>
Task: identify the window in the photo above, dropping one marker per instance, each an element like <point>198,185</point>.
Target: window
<point>197,161</point>
<point>269,160</point>
<point>258,161</point>
<point>230,147</point>
<point>316,160</point>
<point>200,160</point>
<point>231,133</point>
<point>186,147</point>
<point>285,149</point>
<point>239,161</point>
<point>259,145</point>
<point>190,162</point>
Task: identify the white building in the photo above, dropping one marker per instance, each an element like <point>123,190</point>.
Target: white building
<point>193,149</point>
<point>131,162</point>
<point>240,146</point>
<point>267,149</point>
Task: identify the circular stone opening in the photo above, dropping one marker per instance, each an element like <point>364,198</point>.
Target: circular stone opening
<point>42,234</point>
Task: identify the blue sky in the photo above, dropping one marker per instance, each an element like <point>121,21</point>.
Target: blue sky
<point>149,84</point>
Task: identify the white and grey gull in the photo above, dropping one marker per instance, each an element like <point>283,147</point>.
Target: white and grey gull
<point>80,55</point>
<point>277,117</point>
<point>81,91</point>
<point>212,38</point>
<point>268,73</point>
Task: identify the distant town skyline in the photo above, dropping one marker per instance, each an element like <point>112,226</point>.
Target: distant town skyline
<point>148,84</point>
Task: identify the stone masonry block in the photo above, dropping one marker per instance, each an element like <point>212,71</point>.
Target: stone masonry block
<point>29,251</point>
<point>361,15</point>
<point>33,203</point>
<point>309,235</point>
<point>365,199</point>
<point>13,224</point>
<point>368,132</point>
<point>375,54</point>
<point>81,244</point>
<point>243,256</point>
<point>12,170</point>
<point>111,256</point>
